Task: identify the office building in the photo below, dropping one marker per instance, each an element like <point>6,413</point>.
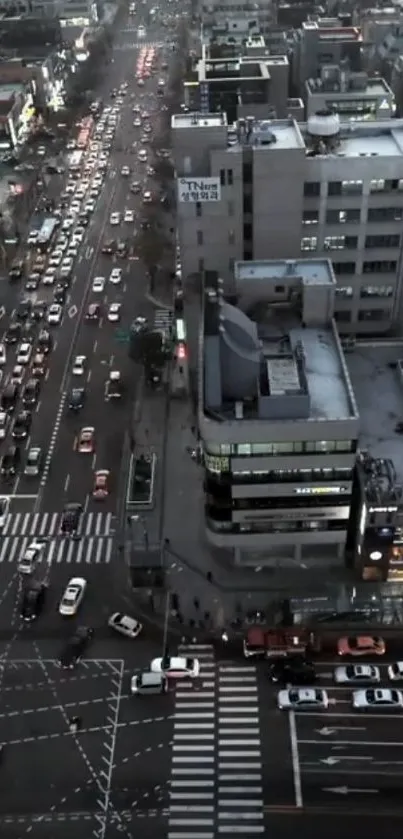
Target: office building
<point>276,190</point>
<point>277,416</point>
<point>321,43</point>
<point>258,16</point>
<point>354,96</point>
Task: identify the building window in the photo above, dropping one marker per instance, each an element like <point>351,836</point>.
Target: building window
<point>310,217</point>
<point>344,291</point>
<point>376,291</point>
<point>344,188</point>
<point>279,289</point>
<point>247,204</point>
<point>343,216</point>
<point>382,241</point>
<point>312,188</point>
<point>198,209</point>
<point>342,316</point>
<point>334,188</point>
<point>339,243</point>
<point>377,185</point>
<point>199,234</point>
<point>377,266</point>
<point>383,214</point>
<point>230,177</point>
<point>373,315</point>
<point>309,243</point>
<point>222,177</point>
<point>231,237</point>
<point>344,268</point>
<point>201,265</point>
<point>230,208</point>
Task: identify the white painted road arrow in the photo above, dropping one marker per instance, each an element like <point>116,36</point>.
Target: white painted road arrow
<point>347,790</point>
<point>72,311</point>
<point>327,732</point>
<point>331,761</point>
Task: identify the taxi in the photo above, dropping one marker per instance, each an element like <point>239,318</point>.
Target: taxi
<point>101,485</point>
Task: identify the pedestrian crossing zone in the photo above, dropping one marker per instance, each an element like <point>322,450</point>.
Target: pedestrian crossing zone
<point>94,544</point>
<point>216,785</point>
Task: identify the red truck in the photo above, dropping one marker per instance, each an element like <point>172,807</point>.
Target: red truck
<point>278,642</point>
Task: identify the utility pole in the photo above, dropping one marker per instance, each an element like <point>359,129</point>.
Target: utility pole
<point>167,602</point>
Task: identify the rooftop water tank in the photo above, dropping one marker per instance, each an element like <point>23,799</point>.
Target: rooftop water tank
<point>324,124</point>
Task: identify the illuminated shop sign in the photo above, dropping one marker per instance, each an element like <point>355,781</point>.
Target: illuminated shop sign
<point>216,464</point>
<point>332,490</point>
<point>383,509</point>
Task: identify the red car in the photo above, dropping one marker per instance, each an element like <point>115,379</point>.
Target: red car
<point>361,645</point>
<point>101,485</point>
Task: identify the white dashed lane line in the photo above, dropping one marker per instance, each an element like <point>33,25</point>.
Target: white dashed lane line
<point>91,730</point>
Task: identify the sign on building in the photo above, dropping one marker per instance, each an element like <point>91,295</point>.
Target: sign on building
<point>198,190</point>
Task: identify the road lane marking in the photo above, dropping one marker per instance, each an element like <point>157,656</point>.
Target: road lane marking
<point>359,743</point>
<point>296,768</point>
<point>66,483</point>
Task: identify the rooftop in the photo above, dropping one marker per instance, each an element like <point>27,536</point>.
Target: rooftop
<point>377,380</point>
<point>198,120</point>
<point>354,90</point>
<point>269,134</point>
<point>275,355</point>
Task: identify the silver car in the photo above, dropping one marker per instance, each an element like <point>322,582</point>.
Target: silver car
<point>378,699</point>
<point>357,674</point>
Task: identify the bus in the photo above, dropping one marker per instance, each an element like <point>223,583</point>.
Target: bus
<point>83,138</point>
<point>46,233</point>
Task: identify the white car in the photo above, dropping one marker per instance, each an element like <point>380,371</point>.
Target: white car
<point>72,597</point>
<point>176,667</point>
<point>125,625</point>
<point>72,251</point>
<point>4,511</point>
<point>66,267</point>
<point>364,674</point>
<point>33,237</point>
<point>54,315</point>
<point>3,354</point>
<point>115,276</point>
<point>395,671</point>
<point>128,216</point>
<point>55,258</point>
<point>67,224</point>
<point>114,219</point>
<point>89,207</point>
<point>24,353</point>
<point>31,556</point>
<point>49,276</point>
<point>382,699</point>
<point>79,365</point>
<point>125,171</point>
<point>137,122</point>
<point>3,424</point>
<point>78,235</point>
<point>302,699</point>
<point>142,156</point>
<point>114,313</point>
<point>17,374</point>
<point>98,284</point>
<point>147,197</point>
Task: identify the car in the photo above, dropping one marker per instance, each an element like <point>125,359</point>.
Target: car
<point>113,314</point>
<point>147,129</point>
<point>76,399</point>
<point>44,342</point>
<point>55,314</point>
<point>31,556</point>
<point>147,197</point>
<point>128,216</point>
<point>78,235</point>
<point>17,374</point>
<point>113,386</point>
<point>66,267</point>
<point>22,425</point>
<point>135,187</point>
<point>93,313</point>
<point>49,276</point>
<point>13,334</point>
<point>125,171</point>
<point>115,276</point>
<point>109,247</point>
<point>39,365</point>
<point>302,699</point>
<point>85,441</point>
<point>4,511</point>
<point>382,699</point>
<point>9,397</point>
<point>125,625</point>
<point>395,671</point>
<point>60,293</point>
<point>365,674</point>
<point>33,462</point>
<point>32,282</point>
<point>71,517</point>
<point>293,670</point>
<point>3,424</point>
<point>24,353</point>
<point>122,250</point>
<point>72,597</point>
<point>79,365</point>
<point>98,285</point>
<point>137,122</point>
<point>38,310</point>
<point>55,258</point>
<point>32,601</point>
<point>30,393</point>
<point>114,219</point>
<point>101,485</point>
<point>73,651</point>
<point>142,156</point>
<point>3,354</point>
<point>176,667</point>
<point>10,462</point>
<point>361,645</point>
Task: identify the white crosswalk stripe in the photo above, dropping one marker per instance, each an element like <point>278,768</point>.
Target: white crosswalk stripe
<point>90,550</point>
<point>163,320</point>
<point>48,524</point>
<point>216,775</point>
<point>136,44</point>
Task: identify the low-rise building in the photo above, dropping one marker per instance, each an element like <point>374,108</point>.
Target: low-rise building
<point>354,96</point>
<point>277,416</point>
<point>322,42</point>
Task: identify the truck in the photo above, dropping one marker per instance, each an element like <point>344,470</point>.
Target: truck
<point>277,642</point>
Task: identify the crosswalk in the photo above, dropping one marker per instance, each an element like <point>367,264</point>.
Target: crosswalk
<point>94,545</point>
<point>216,774</point>
<point>48,524</point>
<point>137,44</point>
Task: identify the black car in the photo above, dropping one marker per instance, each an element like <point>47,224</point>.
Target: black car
<point>23,310</point>
<point>30,393</point>
<point>38,311</point>
<point>21,425</point>
<point>73,651</point>
<point>33,601</point>
<point>59,294</point>
<point>109,247</point>
<point>71,518</point>
<point>122,249</point>
<point>45,342</point>
<point>84,219</point>
<point>32,282</point>
<point>10,462</point>
<point>76,399</point>
<point>293,670</point>
<point>9,397</point>
<point>13,334</point>
<point>16,270</point>
<point>93,312</point>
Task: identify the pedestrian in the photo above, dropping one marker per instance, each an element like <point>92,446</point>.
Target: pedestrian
<point>207,616</point>
<point>196,603</point>
<point>209,577</point>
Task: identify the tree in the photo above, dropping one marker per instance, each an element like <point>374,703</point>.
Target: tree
<point>151,245</point>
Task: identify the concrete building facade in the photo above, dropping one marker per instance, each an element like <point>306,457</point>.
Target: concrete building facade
<point>277,415</point>
<point>354,96</point>
<point>276,190</point>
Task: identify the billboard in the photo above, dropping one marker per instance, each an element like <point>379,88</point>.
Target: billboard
<point>198,190</point>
